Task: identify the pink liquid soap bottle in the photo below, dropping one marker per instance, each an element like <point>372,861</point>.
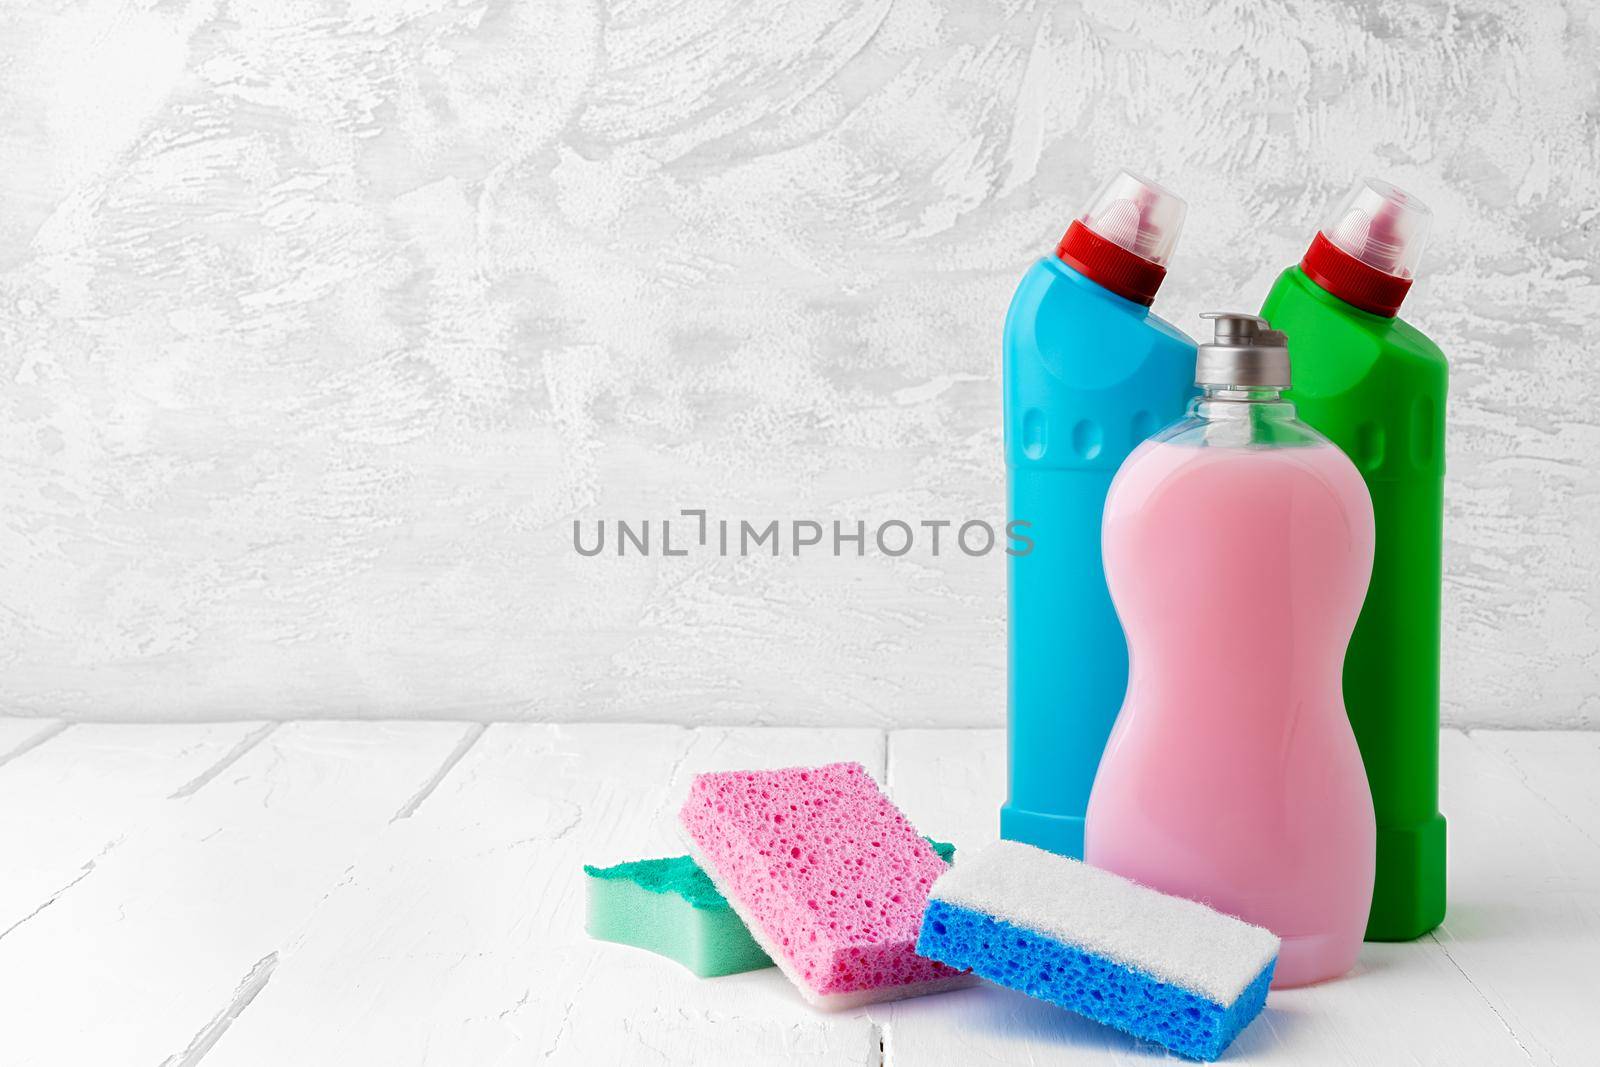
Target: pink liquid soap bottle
<point>1238,546</point>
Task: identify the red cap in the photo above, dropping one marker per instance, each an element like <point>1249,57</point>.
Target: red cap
<point>1366,253</point>
<point>1351,280</point>
<point>1109,264</point>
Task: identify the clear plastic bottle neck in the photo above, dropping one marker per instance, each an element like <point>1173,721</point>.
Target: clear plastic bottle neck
<point>1243,394</point>
<point>1241,402</point>
<point>1242,416</point>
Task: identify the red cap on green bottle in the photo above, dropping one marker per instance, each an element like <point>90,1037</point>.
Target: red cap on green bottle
<point>1366,254</point>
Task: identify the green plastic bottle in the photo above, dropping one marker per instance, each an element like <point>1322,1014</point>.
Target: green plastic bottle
<point>1376,386</point>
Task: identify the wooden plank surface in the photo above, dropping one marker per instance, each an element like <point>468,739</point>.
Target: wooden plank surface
<point>74,798</point>
<point>1403,1004</point>
<point>1524,909</point>
<point>459,939</point>
<point>1560,767</point>
<point>18,736</point>
<point>148,961</point>
<point>411,894</point>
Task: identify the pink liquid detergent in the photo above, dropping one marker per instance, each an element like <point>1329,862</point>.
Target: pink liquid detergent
<point>1238,545</point>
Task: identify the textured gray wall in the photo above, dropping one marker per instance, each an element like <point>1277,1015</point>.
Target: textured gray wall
<point>319,324</point>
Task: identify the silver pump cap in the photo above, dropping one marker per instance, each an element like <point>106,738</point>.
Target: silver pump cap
<point>1247,353</point>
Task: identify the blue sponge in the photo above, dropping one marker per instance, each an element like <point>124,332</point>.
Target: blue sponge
<point>1162,968</point>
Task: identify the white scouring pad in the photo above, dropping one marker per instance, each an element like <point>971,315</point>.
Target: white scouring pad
<point>1159,967</point>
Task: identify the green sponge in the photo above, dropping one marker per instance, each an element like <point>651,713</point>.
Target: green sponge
<point>671,908</point>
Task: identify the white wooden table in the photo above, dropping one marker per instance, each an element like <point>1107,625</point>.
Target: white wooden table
<point>410,893</point>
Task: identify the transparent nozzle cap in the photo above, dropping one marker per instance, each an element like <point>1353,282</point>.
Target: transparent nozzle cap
<point>1138,215</point>
<point>1382,225</point>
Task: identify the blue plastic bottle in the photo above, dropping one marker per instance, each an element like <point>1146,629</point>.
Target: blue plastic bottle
<point>1089,373</point>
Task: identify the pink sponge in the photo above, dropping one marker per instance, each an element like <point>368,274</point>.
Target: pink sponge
<point>828,875</point>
